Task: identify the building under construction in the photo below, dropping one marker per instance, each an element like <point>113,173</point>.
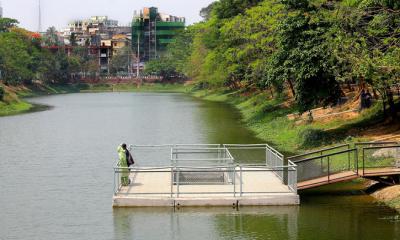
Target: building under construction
<point>152,32</point>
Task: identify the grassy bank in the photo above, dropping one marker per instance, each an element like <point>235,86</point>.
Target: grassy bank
<point>14,101</point>
<point>7,109</point>
<point>268,119</point>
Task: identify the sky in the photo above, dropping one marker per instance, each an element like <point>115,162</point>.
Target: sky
<point>59,12</point>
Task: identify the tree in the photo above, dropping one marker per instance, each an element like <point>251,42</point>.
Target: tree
<point>231,8</point>
<point>72,39</point>
<point>304,58</point>
<point>121,61</point>
<point>7,23</point>
<point>178,52</point>
<point>206,12</point>
<point>51,37</point>
<point>16,60</point>
<point>367,39</point>
<point>162,68</point>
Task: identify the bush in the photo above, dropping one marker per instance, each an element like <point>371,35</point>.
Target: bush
<point>2,93</point>
<point>311,138</point>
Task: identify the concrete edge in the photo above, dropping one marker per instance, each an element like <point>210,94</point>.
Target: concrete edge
<point>279,200</point>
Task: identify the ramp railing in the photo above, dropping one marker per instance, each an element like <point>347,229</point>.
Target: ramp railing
<point>327,168</point>
<point>343,162</point>
<point>320,152</point>
<point>378,160</point>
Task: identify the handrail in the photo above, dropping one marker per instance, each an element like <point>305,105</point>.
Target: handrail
<point>327,155</point>
<point>168,168</point>
<point>377,147</point>
<point>374,143</point>
<point>246,145</point>
<point>274,150</point>
<point>318,151</point>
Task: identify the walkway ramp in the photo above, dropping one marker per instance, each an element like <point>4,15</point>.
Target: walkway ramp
<point>345,162</point>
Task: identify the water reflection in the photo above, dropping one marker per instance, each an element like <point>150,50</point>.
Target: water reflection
<point>206,223</point>
<point>320,220</point>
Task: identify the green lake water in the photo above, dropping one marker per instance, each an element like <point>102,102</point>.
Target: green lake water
<point>56,176</point>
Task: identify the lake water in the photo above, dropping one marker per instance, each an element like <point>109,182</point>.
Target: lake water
<point>56,176</point>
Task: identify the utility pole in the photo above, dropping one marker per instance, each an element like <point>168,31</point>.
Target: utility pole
<point>40,17</point>
<point>138,54</point>
<point>155,38</point>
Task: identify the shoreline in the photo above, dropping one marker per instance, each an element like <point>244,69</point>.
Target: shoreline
<point>244,105</point>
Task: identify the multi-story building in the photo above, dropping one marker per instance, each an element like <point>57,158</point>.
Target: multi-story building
<point>91,31</point>
<point>153,31</point>
<point>99,34</point>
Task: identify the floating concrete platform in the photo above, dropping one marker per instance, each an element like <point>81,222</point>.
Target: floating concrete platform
<point>250,188</point>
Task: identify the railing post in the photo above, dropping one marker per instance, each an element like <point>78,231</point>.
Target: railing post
<point>118,179</point>
<point>329,168</point>
<point>172,181</point>
<point>295,179</point>
<point>356,159</point>
<point>234,181</point>
<point>115,191</point>
<point>348,156</point>
<point>241,180</point>
<point>322,163</point>
<point>177,182</point>
<point>363,157</point>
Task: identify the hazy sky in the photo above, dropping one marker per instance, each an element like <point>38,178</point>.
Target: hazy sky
<point>59,12</point>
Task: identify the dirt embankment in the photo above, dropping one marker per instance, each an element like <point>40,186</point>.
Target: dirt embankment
<point>390,196</point>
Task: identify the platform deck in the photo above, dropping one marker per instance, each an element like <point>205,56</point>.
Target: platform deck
<point>154,189</point>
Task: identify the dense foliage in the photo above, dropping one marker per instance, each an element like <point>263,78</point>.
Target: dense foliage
<point>25,56</point>
<point>303,48</point>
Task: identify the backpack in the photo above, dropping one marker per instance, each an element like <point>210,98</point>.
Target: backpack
<point>129,159</point>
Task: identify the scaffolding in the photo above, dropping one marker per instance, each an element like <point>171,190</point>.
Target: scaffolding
<point>152,32</point>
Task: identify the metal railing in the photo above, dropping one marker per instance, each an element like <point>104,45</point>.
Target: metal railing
<point>258,153</point>
<point>240,184</point>
<point>342,162</point>
<point>189,156</point>
<point>380,159</point>
<point>329,167</point>
<point>206,164</point>
<point>319,152</point>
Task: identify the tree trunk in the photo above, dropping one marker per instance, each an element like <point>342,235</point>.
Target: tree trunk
<point>392,106</point>
<point>384,108</point>
<point>375,94</point>
<point>291,88</point>
<point>349,86</point>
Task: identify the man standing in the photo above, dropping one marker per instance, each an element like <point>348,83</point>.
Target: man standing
<point>123,164</point>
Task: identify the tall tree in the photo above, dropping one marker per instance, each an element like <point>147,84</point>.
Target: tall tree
<point>51,37</point>
<point>304,57</point>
